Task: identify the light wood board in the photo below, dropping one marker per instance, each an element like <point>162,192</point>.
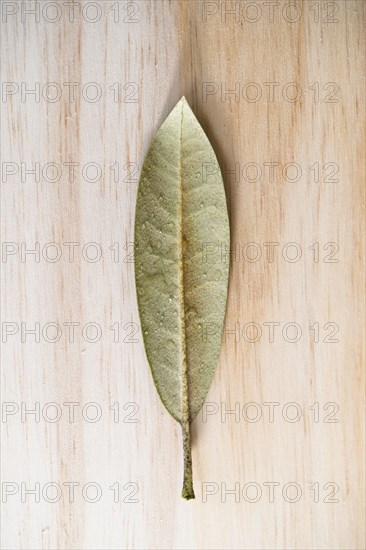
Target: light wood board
<point>294,132</point>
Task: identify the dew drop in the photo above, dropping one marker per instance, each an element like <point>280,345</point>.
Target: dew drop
<point>191,312</point>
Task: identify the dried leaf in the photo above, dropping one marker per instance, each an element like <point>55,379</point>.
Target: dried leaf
<point>181,267</point>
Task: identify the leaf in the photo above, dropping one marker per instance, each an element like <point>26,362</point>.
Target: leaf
<point>181,267</point>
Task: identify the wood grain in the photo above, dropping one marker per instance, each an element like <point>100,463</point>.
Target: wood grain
<point>158,51</point>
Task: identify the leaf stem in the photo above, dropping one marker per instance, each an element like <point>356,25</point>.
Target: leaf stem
<point>187,490</point>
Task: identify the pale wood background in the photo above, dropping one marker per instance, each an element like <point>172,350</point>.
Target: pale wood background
<point>169,52</point>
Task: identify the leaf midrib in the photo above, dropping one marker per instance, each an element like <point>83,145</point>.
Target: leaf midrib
<point>187,491</point>
<point>184,366</point>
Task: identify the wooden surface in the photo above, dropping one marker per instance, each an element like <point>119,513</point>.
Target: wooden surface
<point>158,51</point>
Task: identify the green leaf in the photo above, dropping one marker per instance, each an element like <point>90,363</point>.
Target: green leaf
<point>182,245</point>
